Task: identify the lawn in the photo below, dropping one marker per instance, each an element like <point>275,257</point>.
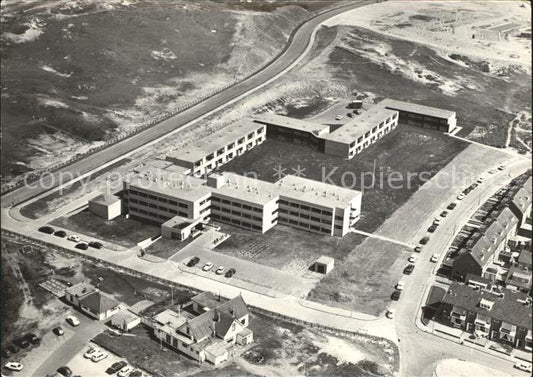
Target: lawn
<point>122,231</point>
<point>286,248</point>
<point>166,248</point>
<point>286,349</point>
<point>407,152</point>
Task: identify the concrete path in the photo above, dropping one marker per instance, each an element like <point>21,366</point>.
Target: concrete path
<point>383,238</point>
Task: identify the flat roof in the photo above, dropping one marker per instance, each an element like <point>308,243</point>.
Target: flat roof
<point>325,259</point>
<point>288,122</point>
<point>169,183</point>
<point>105,199</point>
<point>416,108</point>
<point>505,27</point>
<point>215,141</point>
<point>178,222</point>
<point>290,186</point>
<point>360,125</point>
<point>170,319</point>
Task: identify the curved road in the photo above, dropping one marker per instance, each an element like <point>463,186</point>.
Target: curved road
<point>297,47</point>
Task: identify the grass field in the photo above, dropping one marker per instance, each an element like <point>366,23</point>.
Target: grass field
<point>406,150</point>
<point>122,231</point>
<point>285,248</point>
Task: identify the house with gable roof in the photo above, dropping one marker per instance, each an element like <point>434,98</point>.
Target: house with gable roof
<point>206,329</point>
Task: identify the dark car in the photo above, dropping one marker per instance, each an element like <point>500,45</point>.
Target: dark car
<point>60,233</point>
<point>396,295</point>
<point>444,214</point>
<point>46,229</point>
<point>65,371</point>
<point>451,206</point>
<point>424,240</point>
<point>115,367</point>
<point>58,331</point>
<point>432,228</point>
<point>22,343</point>
<point>230,272</point>
<point>12,349</point>
<point>135,373</point>
<point>96,244</point>
<point>6,352</point>
<point>82,246</point>
<point>193,262</point>
<point>32,338</point>
<point>418,249</point>
<point>407,270</point>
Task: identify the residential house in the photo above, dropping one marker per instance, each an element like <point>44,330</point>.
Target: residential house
<point>125,320</point>
<point>503,316</point>
<point>205,329</point>
<point>92,302</point>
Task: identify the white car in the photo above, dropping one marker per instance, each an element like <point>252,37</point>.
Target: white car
<point>220,270</point>
<point>480,180</point>
<point>492,171</point>
<point>207,266</point>
<point>99,356</point>
<point>412,258</point>
<point>14,366</point>
<point>434,258</point>
<point>90,353</point>
<point>390,313</point>
<point>400,285</point>
<point>339,117</point>
<point>436,221</point>
<point>74,238</point>
<point>523,366</point>
<point>73,320</point>
<point>124,372</point>
<point>461,196</point>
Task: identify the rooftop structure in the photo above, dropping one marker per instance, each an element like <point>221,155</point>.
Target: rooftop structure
<point>105,199</point>
<point>416,108</point>
<point>316,129</point>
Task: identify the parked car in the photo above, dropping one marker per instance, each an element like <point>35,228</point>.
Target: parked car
<point>424,240</point>
<point>58,330</point>
<point>32,338</point>
<point>230,273</point>
<point>390,313</point>
<point>125,371</point>
<point>432,228</point>
<point>208,266</point>
<point>220,270</point>
<point>480,180</point>
<point>339,117</point>
<point>396,295</point>
<point>451,206</point>
<point>96,244</point>
<point>474,185</point>
<point>136,373</point>
<point>46,229</point>
<point>492,171</point>
<point>115,367</point>
<point>74,238</point>
<point>60,233</point>
<point>358,111</point>
<point>444,214</point>
<point>99,356</point>
<point>21,343</point>
<point>400,285</point>
<point>73,320</point>
<point>461,196</point>
<point>409,269</point>
<point>82,245</point>
<point>193,262</point>
<point>436,222</point>
<point>523,366</point>
<point>350,115</point>
<point>501,167</point>
<point>14,366</point>
<point>412,258</point>
<point>90,353</point>
<point>434,258</point>
<point>65,371</point>
<point>11,349</point>
<point>418,249</point>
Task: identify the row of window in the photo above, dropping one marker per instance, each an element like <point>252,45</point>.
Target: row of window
<point>304,225</point>
<point>158,198</point>
<point>236,213</point>
<point>148,213</point>
<point>237,222</point>
<point>160,208</point>
<point>236,204</point>
<point>230,146</point>
<point>305,207</point>
<point>306,217</point>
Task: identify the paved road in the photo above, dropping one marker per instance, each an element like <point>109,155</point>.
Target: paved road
<point>419,351</point>
<point>296,48</point>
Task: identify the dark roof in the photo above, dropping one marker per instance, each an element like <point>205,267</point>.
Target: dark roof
<point>479,279</point>
<point>524,258</point>
<point>506,308</point>
<point>207,300</point>
<point>436,294</point>
<point>519,278</point>
<point>236,306</point>
<point>98,302</point>
<point>201,326</point>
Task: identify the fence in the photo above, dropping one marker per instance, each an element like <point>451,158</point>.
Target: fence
<point>151,278</point>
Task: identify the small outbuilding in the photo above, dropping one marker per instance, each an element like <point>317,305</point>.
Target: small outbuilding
<point>323,265</point>
<point>125,320</point>
<point>106,206</point>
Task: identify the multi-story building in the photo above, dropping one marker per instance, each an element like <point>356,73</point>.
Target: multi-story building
<point>422,116</point>
<point>181,202</point>
<point>521,207</point>
<point>206,328</point>
<point>220,147</point>
<point>500,315</point>
<point>345,141</point>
